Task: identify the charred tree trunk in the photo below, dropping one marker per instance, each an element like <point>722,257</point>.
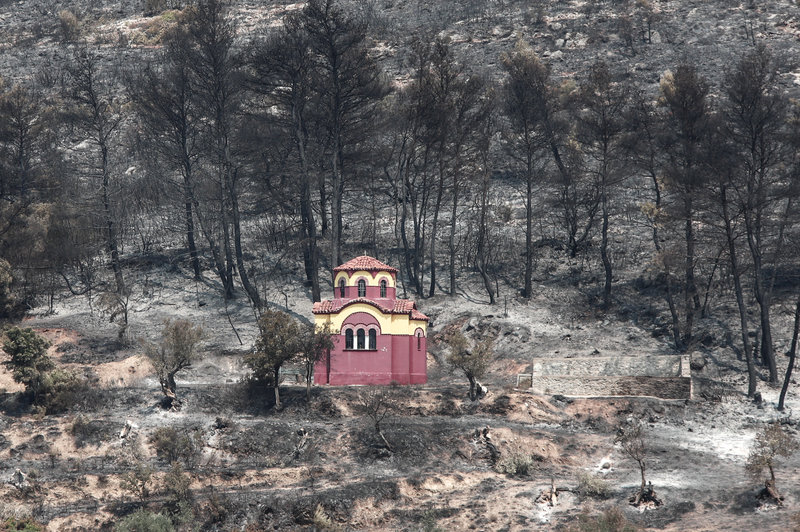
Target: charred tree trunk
<point>691,298</point>
<point>604,249</point>
<point>111,230</point>
<point>792,356</point>
<point>528,289</point>
<point>435,229</point>
<point>252,293</point>
<point>482,259</point>
<point>752,378</point>
<point>452,238</point>
<point>276,375</point>
<point>169,387</point>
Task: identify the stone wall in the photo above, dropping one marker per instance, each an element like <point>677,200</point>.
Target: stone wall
<point>665,377</point>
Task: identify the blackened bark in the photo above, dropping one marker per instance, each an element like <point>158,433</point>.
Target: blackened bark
<point>792,356</point>
<point>752,378</point>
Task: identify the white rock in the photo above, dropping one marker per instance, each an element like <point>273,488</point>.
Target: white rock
<point>655,38</point>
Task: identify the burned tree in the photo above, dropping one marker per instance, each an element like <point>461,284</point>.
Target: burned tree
<point>526,93</point>
<point>97,113</point>
<point>631,440</point>
<point>218,83</point>
<point>282,71</point>
<point>685,128</point>
<point>349,85</point>
<point>601,133</point>
<point>167,104</point>
<point>754,112</point>
<point>377,404</point>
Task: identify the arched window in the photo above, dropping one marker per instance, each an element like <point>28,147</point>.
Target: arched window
<point>373,339</point>
<point>348,339</point>
<point>419,341</point>
<point>383,287</point>
<point>341,287</point>
<point>360,339</point>
<point>362,288</point>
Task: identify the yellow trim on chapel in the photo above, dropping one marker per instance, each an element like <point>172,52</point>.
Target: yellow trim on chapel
<point>351,278</point>
<point>398,324</point>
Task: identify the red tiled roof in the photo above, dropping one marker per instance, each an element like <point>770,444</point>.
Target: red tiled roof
<point>417,315</point>
<point>366,263</point>
<point>401,306</point>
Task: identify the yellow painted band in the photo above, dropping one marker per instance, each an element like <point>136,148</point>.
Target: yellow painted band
<point>397,324</point>
<point>351,278</point>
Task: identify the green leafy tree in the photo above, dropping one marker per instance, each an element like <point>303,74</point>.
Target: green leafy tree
<point>280,339</point>
<point>180,501</point>
<point>138,481</point>
<point>7,299</point>
<point>176,351</point>
<point>472,361</point>
<point>316,342</point>
<point>770,443</point>
<point>144,521</point>
<point>29,362</point>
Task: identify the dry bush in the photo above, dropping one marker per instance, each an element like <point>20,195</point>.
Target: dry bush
<point>152,32</point>
<point>87,431</point>
<point>378,404</point>
<point>17,511</point>
<point>322,521</point>
<point>611,520</point>
<point>770,443</point>
<point>215,510</point>
<point>516,464</point>
<point>593,486</point>
<point>795,519</point>
<point>69,26</point>
<point>154,7</point>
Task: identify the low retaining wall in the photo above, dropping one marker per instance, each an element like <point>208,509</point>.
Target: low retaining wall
<point>665,377</point>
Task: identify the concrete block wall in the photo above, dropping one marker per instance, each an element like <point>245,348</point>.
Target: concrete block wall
<point>665,377</point>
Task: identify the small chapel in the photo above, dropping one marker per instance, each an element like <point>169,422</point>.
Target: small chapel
<point>379,338</point>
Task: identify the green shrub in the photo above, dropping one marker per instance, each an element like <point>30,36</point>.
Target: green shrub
<point>144,521</point>
<point>61,390</point>
<point>7,299</point>
<point>137,481</point>
<point>29,362</point>
<point>592,486</point>
<point>516,464</point>
<point>180,502</point>
<point>173,445</point>
<point>20,525</point>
